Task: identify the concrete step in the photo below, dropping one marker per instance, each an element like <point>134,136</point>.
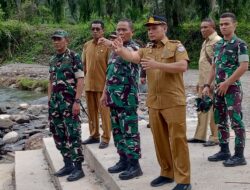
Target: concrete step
<point>31,171</point>
<point>204,175</point>
<point>54,158</point>
<point>6,176</point>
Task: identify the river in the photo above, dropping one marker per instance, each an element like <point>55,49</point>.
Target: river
<point>9,95</point>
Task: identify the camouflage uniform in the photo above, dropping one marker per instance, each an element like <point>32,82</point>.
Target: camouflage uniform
<point>122,98</point>
<point>66,129</point>
<point>227,58</point>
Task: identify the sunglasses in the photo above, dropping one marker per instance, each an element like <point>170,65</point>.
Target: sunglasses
<point>95,28</point>
<point>56,38</point>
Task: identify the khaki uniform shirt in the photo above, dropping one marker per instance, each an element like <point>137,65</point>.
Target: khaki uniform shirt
<point>165,90</point>
<point>204,65</point>
<point>95,60</point>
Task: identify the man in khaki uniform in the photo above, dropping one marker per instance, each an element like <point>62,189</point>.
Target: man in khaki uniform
<point>165,61</point>
<point>204,119</point>
<point>95,58</point>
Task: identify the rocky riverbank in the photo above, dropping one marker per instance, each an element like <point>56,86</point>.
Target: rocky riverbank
<point>12,75</point>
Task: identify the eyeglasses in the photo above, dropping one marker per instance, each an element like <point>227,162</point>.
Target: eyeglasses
<point>95,28</point>
<point>56,38</point>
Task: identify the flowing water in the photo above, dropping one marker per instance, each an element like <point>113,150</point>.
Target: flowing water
<point>9,95</point>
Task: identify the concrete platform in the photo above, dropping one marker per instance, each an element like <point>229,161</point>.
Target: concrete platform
<point>204,175</point>
<point>31,171</point>
<point>6,172</point>
<point>54,158</point>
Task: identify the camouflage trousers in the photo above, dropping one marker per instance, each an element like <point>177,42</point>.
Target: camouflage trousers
<point>66,129</point>
<point>230,105</point>
<point>124,123</point>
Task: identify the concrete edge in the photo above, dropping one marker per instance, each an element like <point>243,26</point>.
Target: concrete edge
<point>108,181</point>
<point>54,179</point>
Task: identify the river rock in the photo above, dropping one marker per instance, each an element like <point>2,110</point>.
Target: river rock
<point>13,86</point>
<point>34,142</point>
<point>1,142</point>
<point>38,89</point>
<point>20,118</point>
<point>23,106</point>
<point>6,123</point>
<point>10,137</point>
<point>4,116</point>
<point>3,109</point>
<point>35,109</point>
<point>18,146</point>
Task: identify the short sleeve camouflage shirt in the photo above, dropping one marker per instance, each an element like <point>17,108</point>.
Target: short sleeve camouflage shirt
<point>122,80</point>
<point>64,70</point>
<point>227,58</point>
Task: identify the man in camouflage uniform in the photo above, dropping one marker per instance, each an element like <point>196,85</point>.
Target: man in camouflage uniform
<point>165,61</point>
<point>121,95</point>
<point>64,92</point>
<point>229,64</point>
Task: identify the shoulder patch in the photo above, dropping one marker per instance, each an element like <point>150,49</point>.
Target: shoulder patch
<point>180,48</point>
<point>149,45</point>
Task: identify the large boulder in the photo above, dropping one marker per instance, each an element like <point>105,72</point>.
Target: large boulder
<point>11,137</point>
<point>6,123</point>
<point>34,142</point>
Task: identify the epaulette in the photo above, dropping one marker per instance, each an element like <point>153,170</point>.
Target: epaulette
<point>174,41</point>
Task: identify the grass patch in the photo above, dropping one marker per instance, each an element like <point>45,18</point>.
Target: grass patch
<point>31,84</point>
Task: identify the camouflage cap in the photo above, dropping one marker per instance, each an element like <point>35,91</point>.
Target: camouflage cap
<point>204,104</point>
<point>60,34</point>
<point>156,20</point>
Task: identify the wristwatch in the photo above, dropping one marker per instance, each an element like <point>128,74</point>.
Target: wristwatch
<point>78,101</point>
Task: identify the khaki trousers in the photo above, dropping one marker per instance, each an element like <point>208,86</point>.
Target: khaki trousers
<point>169,132</point>
<point>205,119</point>
<point>93,104</point>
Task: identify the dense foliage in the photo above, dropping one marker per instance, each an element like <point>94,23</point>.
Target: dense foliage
<point>26,25</point>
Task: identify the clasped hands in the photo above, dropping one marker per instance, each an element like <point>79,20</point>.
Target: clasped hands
<point>220,90</point>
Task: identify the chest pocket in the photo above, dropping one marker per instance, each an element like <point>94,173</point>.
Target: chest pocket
<point>168,56</point>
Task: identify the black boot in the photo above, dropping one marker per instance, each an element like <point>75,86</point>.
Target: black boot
<point>119,166</point>
<point>132,171</point>
<point>223,154</point>
<point>237,159</point>
<point>77,173</point>
<point>67,169</point>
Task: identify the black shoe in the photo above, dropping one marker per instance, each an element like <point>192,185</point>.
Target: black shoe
<point>210,143</point>
<point>182,187</point>
<point>67,169</point>
<point>120,166</point>
<point>64,171</point>
<point>220,156</point>
<point>223,154</point>
<point>134,170</point>
<point>235,161</point>
<point>103,145</point>
<point>91,140</point>
<point>77,173</point>
<point>161,180</point>
<point>193,140</point>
